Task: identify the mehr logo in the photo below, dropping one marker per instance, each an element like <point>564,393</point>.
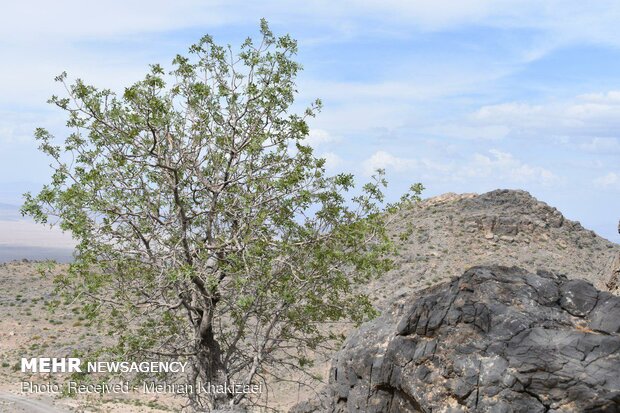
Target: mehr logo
<point>51,365</point>
<point>71,365</point>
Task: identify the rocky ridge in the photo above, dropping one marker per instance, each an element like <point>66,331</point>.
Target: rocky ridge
<point>450,233</point>
<point>495,339</point>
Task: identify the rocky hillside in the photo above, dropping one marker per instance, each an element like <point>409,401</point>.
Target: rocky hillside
<point>439,238</point>
<point>496,339</point>
<point>450,233</point>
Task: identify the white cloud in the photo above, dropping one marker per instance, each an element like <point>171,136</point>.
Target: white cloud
<point>79,20</point>
<point>557,23</point>
<point>352,117</point>
<point>9,133</point>
<point>503,166</point>
<point>592,116</point>
<point>412,79</point>
<point>602,145</point>
<point>461,131</point>
<point>332,160</point>
<point>18,127</point>
<point>611,180</point>
<point>564,19</point>
<point>385,160</point>
<point>353,106</point>
<point>414,88</point>
<point>319,137</point>
<point>66,24</point>
<point>497,166</point>
<point>612,96</point>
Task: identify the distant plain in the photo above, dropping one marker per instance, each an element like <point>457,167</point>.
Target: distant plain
<point>21,238</point>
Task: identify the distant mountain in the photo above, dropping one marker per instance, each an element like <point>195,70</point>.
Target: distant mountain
<point>9,212</point>
<point>19,253</point>
<point>8,207</point>
<point>22,238</point>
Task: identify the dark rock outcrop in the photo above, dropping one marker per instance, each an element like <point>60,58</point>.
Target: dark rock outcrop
<point>496,339</point>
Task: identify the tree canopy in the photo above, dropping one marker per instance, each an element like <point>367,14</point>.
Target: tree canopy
<point>207,229</point>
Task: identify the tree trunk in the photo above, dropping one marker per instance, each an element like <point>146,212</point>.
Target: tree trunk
<point>211,369</point>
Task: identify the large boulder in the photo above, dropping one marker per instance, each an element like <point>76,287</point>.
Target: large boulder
<point>496,339</point>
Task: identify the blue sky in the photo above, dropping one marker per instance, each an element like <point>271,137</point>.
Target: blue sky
<point>463,96</point>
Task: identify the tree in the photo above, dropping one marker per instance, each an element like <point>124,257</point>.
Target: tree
<point>207,230</point>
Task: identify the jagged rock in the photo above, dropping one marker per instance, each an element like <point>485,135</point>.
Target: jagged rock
<point>613,283</point>
<point>496,339</point>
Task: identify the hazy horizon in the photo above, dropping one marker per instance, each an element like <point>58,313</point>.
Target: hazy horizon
<point>20,238</point>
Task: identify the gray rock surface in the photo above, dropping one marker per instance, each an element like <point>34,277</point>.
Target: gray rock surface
<point>496,339</point>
